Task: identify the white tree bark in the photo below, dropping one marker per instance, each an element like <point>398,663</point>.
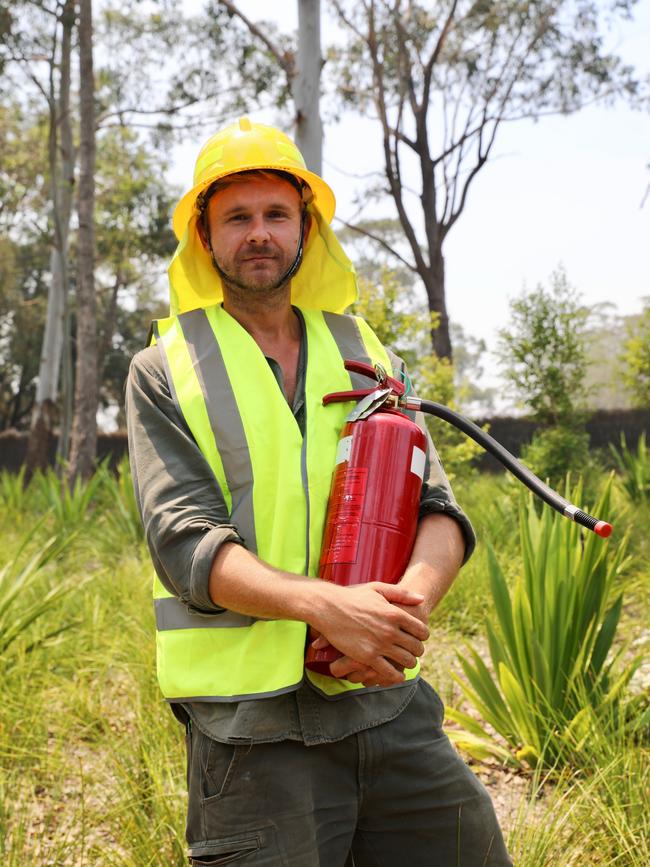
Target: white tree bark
<point>61,164</point>
<point>84,429</point>
<point>306,85</point>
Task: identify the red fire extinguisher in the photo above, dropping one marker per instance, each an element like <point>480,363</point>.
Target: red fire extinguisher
<point>374,501</point>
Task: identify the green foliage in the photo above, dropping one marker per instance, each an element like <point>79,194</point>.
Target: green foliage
<point>388,308</point>
<point>25,597</point>
<point>544,356</point>
<point>597,817</point>
<point>123,516</point>
<point>543,352</point>
<point>553,681</point>
<point>91,760</point>
<point>636,359</point>
<point>553,452</point>
<point>634,468</point>
<point>13,491</point>
<point>70,505</point>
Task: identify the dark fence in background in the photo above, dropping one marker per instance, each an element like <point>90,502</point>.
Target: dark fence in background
<point>605,426</point>
<point>13,447</point>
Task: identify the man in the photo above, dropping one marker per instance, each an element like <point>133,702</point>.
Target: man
<point>232,453</point>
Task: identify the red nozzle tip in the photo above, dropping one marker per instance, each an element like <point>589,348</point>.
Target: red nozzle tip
<point>603,529</point>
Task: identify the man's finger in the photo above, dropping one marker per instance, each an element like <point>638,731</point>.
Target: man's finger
<point>399,594</point>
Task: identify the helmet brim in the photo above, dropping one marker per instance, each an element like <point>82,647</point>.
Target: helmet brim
<point>324,198</point>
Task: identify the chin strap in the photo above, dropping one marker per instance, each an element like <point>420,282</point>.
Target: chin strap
<point>299,253</point>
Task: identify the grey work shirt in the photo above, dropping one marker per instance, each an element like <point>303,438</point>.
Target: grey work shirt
<point>186,520</point>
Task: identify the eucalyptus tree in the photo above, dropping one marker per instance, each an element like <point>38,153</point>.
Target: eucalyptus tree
<point>301,64</point>
<point>83,443</point>
<point>442,77</point>
<point>37,44</point>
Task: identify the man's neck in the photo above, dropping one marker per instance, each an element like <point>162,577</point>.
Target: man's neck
<point>271,325</point>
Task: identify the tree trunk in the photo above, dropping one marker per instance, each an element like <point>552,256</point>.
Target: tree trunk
<point>83,443</point>
<point>434,282</point>
<point>306,85</point>
<point>61,164</point>
<point>106,331</point>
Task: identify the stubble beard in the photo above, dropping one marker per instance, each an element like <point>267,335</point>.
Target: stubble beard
<point>269,292</point>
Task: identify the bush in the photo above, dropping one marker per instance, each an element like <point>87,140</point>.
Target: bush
<point>636,359</point>
<point>544,355</point>
<point>543,352</point>
<point>634,469</point>
<point>554,452</point>
<point>553,681</point>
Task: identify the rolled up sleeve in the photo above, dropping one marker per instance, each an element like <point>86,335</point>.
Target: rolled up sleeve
<point>437,495</point>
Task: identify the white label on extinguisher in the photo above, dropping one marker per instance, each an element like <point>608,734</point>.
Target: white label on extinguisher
<point>343,451</point>
<point>418,460</point>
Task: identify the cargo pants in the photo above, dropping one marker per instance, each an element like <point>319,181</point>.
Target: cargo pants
<point>397,795</point>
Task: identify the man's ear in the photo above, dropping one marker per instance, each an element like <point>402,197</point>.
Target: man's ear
<point>200,228</point>
<point>307,229</point>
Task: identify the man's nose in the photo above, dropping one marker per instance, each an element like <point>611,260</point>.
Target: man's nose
<point>258,232</point>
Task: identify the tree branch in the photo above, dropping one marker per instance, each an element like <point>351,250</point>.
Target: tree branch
<point>284,59</point>
<point>381,106</point>
<point>435,54</point>
<point>379,240</point>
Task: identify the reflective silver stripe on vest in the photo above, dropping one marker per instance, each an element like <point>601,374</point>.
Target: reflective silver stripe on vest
<point>225,420</point>
<point>171,613</point>
<point>226,699</point>
<point>168,374</point>
<point>304,473</point>
<point>345,332</point>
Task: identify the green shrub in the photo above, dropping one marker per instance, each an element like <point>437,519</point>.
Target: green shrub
<point>554,452</point>
<point>13,492</point>
<point>553,679</point>
<point>543,352</point>
<point>26,598</point>
<point>636,358</point>
<point>122,515</point>
<point>634,468</point>
<point>69,505</point>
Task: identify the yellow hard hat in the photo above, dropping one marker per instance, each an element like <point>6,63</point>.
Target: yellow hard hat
<point>326,279</point>
<point>244,146</point>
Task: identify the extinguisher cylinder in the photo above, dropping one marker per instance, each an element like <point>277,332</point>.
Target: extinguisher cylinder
<point>373,507</point>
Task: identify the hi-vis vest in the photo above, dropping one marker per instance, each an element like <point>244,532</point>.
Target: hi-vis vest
<point>275,483</point>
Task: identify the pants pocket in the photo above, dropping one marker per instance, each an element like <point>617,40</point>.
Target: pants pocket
<point>219,765</point>
<point>229,852</point>
<point>260,844</point>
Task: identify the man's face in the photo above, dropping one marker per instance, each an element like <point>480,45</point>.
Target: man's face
<point>254,231</point>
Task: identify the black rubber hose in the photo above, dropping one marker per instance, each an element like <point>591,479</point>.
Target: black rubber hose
<point>511,463</point>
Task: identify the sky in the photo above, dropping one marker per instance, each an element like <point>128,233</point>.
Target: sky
<point>565,191</point>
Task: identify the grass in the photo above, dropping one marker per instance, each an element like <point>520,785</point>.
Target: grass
<point>92,761</point>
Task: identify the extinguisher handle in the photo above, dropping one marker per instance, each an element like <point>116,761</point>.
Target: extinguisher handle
<point>372,372</point>
<point>341,396</point>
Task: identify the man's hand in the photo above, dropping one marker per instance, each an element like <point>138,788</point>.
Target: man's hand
<point>358,672</point>
<point>435,560</point>
<point>372,626</point>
